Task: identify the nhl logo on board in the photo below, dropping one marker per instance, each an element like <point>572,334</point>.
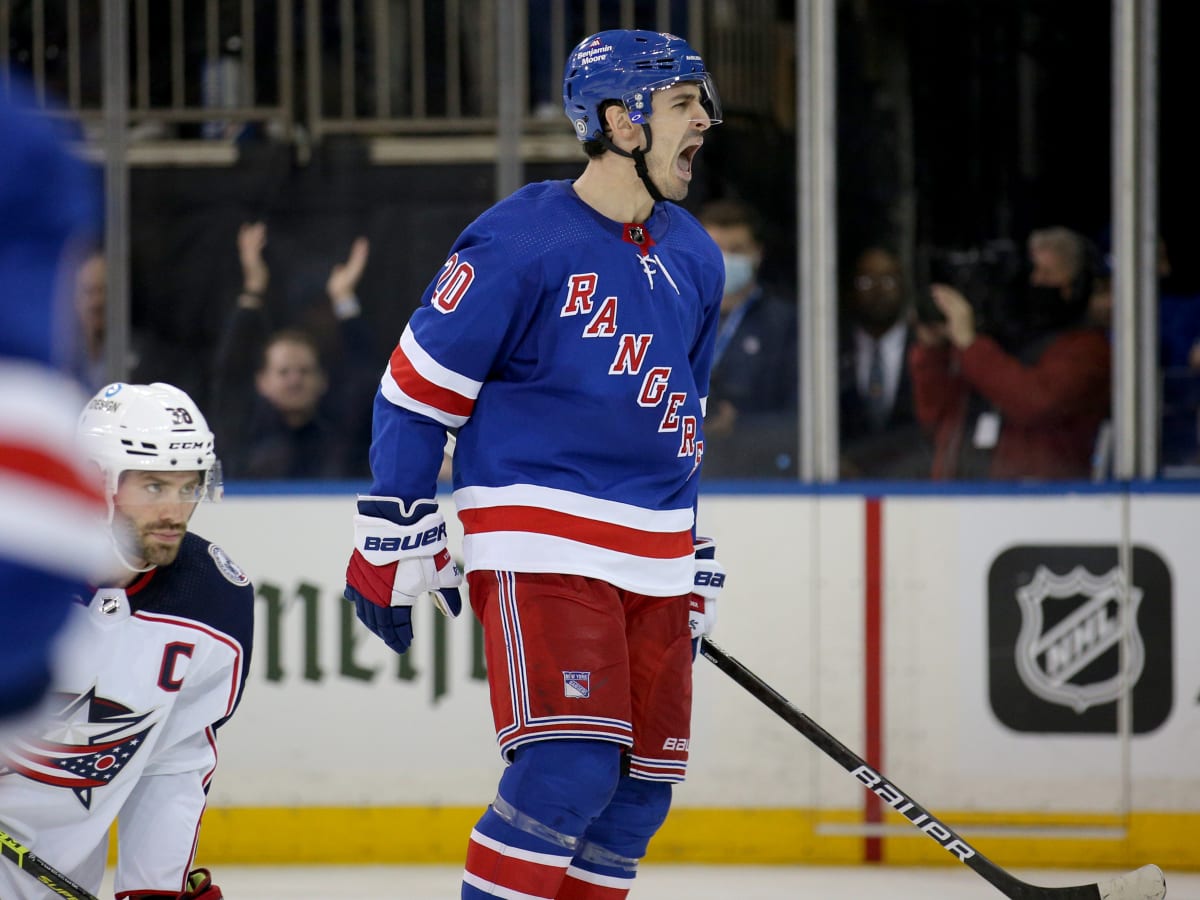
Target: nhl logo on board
<point>577,685</point>
<point>1073,632</point>
<point>1049,659</point>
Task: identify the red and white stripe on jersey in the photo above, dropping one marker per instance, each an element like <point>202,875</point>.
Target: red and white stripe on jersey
<point>583,885</point>
<point>417,382</point>
<point>647,769</point>
<point>72,765</point>
<point>53,514</point>
<point>529,528</point>
<point>524,726</point>
<point>500,870</point>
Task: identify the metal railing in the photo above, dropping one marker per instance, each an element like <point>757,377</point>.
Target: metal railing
<point>408,66</point>
<point>207,69</point>
<point>188,60</point>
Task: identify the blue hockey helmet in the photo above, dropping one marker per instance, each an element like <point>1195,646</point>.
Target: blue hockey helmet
<point>630,66</point>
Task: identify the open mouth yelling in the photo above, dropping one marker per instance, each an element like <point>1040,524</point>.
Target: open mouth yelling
<point>683,163</point>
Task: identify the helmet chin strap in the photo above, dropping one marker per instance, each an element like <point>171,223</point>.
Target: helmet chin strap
<point>125,563</point>
<point>638,155</point>
<point>115,541</point>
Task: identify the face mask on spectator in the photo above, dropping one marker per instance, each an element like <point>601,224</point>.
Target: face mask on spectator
<point>739,272</point>
<point>1049,309</point>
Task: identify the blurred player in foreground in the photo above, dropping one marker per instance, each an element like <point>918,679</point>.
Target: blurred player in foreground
<point>569,337</point>
<point>50,512</point>
<point>147,674</point>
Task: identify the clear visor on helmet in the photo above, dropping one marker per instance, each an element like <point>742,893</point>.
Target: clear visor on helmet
<point>638,101</point>
<point>214,483</point>
<point>155,488</point>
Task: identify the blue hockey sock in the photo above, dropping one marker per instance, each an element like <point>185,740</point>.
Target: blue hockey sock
<point>547,799</point>
<point>617,840</point>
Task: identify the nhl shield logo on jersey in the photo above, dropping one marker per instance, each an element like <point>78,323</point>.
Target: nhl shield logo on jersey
<point>1071,635</point>
<point>227,567</point>
<point>111,601</point>
<point>577,685</point>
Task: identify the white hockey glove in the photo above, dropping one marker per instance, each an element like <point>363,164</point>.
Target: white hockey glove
<point>707,583</point>
<point>399,554</point>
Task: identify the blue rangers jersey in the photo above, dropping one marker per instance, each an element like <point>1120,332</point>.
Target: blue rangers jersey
<point>51,514</point>
<point>52,533</point>
<point>572,353</point>
<point>48,198</point>
<point>146,675</point>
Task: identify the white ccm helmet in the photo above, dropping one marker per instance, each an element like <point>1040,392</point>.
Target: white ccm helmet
<point>148,427</point>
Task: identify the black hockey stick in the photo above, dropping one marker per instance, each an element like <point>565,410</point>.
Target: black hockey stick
<point>53,880</point>
<point>1146,883</point>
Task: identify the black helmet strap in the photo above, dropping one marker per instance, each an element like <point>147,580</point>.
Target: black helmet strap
<point>638,155</point>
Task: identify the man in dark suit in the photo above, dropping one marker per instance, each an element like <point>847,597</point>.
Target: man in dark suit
<point>880,436</point>
<point>751,428</point>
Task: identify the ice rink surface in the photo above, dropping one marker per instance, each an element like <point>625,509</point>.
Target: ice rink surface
<point>663,882</point>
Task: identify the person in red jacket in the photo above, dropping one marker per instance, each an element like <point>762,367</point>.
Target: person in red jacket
<point>1029,414</point>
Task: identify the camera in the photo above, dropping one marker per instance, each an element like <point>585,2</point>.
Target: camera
<point>989,275</point>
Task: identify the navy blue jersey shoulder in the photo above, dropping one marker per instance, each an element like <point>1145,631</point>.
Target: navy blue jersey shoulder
<point>203,585</point>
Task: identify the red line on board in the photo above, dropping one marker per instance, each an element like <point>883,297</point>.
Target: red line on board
<point>873,664</point>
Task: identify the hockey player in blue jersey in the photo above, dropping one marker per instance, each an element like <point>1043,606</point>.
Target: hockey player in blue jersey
<point>50,539</point>
<point>568,337</point>
<point>147,672</point>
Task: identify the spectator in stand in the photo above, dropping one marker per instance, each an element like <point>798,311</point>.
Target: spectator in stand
<point>1034,413</point>
<point>272,389</point>
<point>1179,359</point>
<point>1179,316</point>
<point>88,363</point>
<point>751,428</point>
<point>880,435</point>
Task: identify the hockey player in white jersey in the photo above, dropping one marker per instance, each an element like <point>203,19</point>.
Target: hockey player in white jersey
<point>148,672</point>
<point>569,338</point>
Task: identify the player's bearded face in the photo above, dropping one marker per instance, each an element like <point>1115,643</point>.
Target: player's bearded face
<point>679,122</point>
<point>151,513</point>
